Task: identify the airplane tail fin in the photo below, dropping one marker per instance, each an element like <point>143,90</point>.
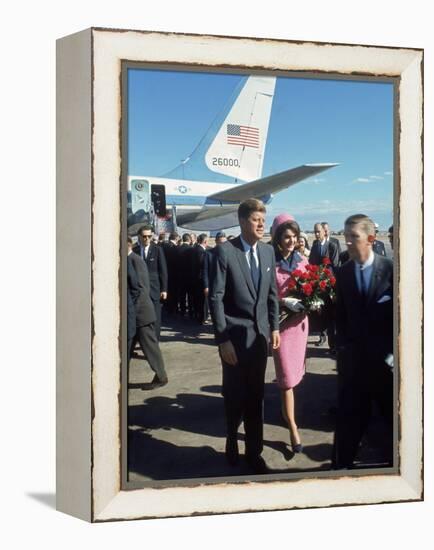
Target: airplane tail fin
<point>239,145</point>
<point>233,147</point>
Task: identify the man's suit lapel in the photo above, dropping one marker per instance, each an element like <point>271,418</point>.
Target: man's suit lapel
<point>376,278</point>
<point>151,253</point>
<point>243,265</point>
<point>353,289</point>
<point>262,269</point>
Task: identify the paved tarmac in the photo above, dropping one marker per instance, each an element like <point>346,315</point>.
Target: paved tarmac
<point>178,431</point>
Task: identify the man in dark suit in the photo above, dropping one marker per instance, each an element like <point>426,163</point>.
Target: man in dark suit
<point>364,320</point>
<point>244,308</point>
<point>329,238</point>
<point>210,260</point>
<point>390,236</point>
<point>323,248</point>
<point>171,250</point>
<point>344,257</point>
<point>184,274</point>
<point>139,288</point>
<point>199,258</point>
<point>132,288</point>
<point>153,256</point>
<point>378,246</point>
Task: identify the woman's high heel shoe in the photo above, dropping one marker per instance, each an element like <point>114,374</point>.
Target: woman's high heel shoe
<point>296,447</point>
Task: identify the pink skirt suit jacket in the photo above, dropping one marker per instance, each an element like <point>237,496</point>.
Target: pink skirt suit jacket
<point>289,359</point>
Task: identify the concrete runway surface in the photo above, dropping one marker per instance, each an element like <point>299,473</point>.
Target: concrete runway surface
<point>178,431</point>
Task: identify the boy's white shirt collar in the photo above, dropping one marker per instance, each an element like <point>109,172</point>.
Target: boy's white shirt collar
<point>369,261</point>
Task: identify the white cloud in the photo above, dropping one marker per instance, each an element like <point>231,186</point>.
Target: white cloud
<point>368,180</point>
<point>315,181</point>
<point>388,173</point>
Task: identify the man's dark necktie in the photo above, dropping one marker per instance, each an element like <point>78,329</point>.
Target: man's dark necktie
<point>254,270</point>
<point>363,285</point>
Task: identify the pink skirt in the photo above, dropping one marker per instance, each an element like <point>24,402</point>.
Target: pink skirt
<point>290,358</point>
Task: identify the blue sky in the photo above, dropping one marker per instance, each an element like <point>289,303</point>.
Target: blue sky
<point>312,120</point>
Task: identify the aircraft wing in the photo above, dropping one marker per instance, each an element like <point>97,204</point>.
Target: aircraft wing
<point>186,218</point>
<point>271,184</point>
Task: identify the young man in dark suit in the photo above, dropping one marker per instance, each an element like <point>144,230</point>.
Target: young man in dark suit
<point>244,309</point>
<point>155,260</point>
<point>364,322</point>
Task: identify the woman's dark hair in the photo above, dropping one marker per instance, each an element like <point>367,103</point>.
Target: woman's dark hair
<point>306,241</point>
<point>293,226</point>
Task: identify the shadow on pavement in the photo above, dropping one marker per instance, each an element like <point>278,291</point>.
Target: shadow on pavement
<point>211,389</point>
<point>183,329</point>
<point>314,397</point>
<point>196,414</point>
<point>157,459</point>
<point>161,460</point>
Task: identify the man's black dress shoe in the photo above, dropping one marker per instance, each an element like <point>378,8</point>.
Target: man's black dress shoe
<point>257,464</point>
<point>321,340</point>
<point>231,451</point>
<point>156,383</point>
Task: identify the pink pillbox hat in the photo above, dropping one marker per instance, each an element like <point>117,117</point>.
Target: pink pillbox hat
<point>281,218</point>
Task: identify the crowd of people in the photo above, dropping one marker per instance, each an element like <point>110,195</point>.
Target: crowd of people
<point>242,284</point>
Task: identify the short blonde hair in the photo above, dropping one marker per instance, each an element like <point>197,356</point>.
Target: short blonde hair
<point>366,224</point>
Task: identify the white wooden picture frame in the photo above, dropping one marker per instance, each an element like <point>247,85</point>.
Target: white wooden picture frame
<point>89,225</point>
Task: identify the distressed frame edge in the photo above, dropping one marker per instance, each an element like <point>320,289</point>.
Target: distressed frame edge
<point>73,275</point>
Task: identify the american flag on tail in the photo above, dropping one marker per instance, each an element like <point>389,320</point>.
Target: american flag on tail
<point>247,136</point>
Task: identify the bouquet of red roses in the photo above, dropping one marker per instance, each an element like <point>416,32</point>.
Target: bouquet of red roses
<point>308,289</point>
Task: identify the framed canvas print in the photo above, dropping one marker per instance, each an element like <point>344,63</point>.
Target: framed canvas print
<point>239,274</point>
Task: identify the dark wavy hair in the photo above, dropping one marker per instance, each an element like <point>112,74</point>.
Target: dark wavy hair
<point>277,236</point>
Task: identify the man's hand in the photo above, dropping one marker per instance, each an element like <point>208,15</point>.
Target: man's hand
<point>163,296</point>
<point>206,291</point>
<point>275,339</point>
<point>227,353</point>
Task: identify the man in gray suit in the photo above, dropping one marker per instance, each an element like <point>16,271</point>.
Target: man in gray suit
<point>139,288</point>
<point>244,308</point>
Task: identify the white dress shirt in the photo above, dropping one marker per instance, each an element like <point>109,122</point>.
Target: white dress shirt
<point>145,251</point>
<point>247,247</point>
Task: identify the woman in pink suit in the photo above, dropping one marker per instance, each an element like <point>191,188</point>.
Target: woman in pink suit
<point>289,359</point>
